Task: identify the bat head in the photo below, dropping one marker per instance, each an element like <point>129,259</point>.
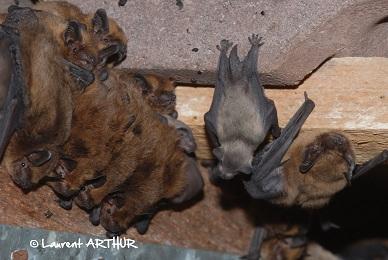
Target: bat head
<point>112,42</point>
<point>232,161</point>
<point>28,171</point>
<point>159,92</point>
<point>111,38</point>
<point>109,218</point>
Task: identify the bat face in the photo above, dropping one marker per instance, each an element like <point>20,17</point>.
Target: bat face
<point>28,171</point>
<point>158,91</point>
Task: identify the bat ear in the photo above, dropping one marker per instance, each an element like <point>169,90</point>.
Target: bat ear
<point>72,34</point>
<point>218,153</point>
<point>142,82</point>
<point>38,158</point>
<point>100,22</point>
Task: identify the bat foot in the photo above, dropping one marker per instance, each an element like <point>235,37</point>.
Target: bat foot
<point>255,40</point>
<point>225,45</point>
<point>143,225</point>
<point>84,200</point>
<point>94,216</point>
<point>65,204</point>
<point>63,189</point>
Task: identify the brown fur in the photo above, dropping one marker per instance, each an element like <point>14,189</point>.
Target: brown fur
<point>315,188</point>
<point>158,91</point>
<point>281,242</point>
<point>71,12</point>
<point>115,149</point>
<point>47,117</point>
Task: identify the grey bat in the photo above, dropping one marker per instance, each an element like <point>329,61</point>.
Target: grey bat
<point>240,116</point>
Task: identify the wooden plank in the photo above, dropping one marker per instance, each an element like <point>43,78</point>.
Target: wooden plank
<point>351,95</point>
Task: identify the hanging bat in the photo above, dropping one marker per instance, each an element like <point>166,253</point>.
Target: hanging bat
<point>240,115</point>
<point>317,166</point>
<point>137,200</point>
<point>110,38</point>
<point>37,109</point>
<point>159,92</point>
<point>126,126</point>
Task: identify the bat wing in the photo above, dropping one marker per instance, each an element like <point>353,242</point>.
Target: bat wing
<point>12,86</point>
<point>257,240</point>
<point>270,160</point>
<point>362,169</point>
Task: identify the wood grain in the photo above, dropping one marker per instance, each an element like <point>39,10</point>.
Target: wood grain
<point>351,95</point>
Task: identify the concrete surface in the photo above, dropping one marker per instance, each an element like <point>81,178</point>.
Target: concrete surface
<point>299,35</point>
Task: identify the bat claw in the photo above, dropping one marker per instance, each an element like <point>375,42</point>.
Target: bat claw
<point>255,40</point>
<point>84,199</point>
<point>224,45</point>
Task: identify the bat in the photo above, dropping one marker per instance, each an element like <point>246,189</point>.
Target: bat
<point>240,115</point>
<point>37,110</point>
<point>110,38</point>
<point>127,128</point>
<point>274,241</point>
<point>140,196</point>
<point>316,166</point>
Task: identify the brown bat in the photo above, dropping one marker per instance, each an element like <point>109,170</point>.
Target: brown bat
<point>327,162</point>
<point>133,151</point>
<point>278,241</point>
<point>110,38</point>
<point>37,103</point>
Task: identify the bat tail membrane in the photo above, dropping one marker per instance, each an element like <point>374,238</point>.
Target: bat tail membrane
<point>235,64</point>
<point>278,148</point>
<point>11,86</point>
<point>365,167</point>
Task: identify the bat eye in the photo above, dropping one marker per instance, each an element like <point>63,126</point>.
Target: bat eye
<point>23,165</point>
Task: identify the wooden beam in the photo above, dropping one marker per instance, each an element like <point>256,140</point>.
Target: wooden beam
<point>351,95</point>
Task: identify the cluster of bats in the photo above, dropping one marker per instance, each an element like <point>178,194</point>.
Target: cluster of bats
<point>304,170</point>
<point>109,140</point>
<point>104,138</point>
